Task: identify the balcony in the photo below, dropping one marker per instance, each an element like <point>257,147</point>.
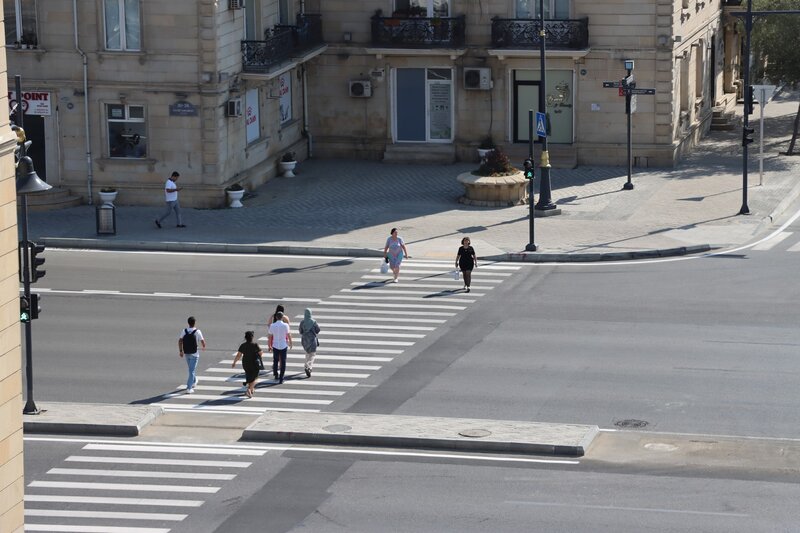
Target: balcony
<point>281,44</point>
<point>566,34</point>
<point>418,32</point>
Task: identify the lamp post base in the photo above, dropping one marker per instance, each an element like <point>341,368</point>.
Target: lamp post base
<point>628,186</point>
<point>531,247</point>
<point>744,210</point>
<point>30,408</point>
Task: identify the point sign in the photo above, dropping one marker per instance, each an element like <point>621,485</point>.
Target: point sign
<point>541,130</point>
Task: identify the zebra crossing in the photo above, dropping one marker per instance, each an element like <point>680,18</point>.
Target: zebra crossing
<point>365,326</point>
<point>786,241</point>
<point>110,487</point>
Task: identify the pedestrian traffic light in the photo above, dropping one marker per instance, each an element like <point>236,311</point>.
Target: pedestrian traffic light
<point>35,306</point>
<point>36,262</point>
<point>24,310</point>
<point>528,172</point>
<point>749,100</point>
<point>746,133</point>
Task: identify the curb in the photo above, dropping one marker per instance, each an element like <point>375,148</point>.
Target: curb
<point>203,247</point>
<point>787,200</point>
<point>91,419</point>
<point>420,432</point>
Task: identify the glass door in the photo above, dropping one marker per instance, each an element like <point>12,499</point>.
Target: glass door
<point>440,104</point>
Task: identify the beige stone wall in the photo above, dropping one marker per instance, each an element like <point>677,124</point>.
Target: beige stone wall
<point>11,465</point>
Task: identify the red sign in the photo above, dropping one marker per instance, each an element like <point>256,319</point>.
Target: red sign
<point>33,102</point>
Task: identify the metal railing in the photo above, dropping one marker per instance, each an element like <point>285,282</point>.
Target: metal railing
<point>282,43</point>
<point>419,32</point>
<point>565,34</point>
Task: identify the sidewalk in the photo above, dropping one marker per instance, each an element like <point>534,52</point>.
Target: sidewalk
<point>345,207</point>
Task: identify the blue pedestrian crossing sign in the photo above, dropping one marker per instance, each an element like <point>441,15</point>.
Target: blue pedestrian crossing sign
<point>541,130</point>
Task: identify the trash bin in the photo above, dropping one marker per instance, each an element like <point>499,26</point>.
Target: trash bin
<point>106,218</point>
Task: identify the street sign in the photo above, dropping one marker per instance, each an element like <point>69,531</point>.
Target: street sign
<point>541,129</point>
<point>612,84</point>
<point>631,107</point>
<point>629,80</point>
<point>764,93</point>
<point>642,91</point>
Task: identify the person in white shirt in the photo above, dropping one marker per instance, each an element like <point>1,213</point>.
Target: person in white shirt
<point>279,342</point>
<point>189,342</point>
<point>171,197</point>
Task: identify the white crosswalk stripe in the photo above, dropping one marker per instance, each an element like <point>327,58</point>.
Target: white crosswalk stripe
<point>771,243</point>
<point>154,485</point>
<point>365,326</point>
<point>784,241</point>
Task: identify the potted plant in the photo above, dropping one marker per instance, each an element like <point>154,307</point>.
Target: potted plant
<point>288,162</point>
<point>486,146</point>
<point>108,195</point>
<point>235,193</point>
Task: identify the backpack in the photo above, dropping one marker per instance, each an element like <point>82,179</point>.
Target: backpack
<point>189,341</point>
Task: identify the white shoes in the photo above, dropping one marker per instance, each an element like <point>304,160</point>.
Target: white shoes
<point>189,391</point>
<point>395,280</point>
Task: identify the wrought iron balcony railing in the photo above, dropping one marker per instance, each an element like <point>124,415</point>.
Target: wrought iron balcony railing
<point>419,32</point>
<point>566,34</point>
<point>282,43</point>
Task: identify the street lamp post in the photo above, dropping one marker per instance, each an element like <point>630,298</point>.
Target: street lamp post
<point>27,182</point>
<point>545,201</point>
<point>748,24</point>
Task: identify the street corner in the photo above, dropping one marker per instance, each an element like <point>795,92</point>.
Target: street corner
<point>91,419</point>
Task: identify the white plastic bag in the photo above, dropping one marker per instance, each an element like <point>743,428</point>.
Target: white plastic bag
<point>456,274</point>
<point>384,267</point>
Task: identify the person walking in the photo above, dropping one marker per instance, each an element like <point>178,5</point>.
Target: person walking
<point>280,340</point>
<point>250,353</point>
<point>171,196</point>
<point>278,309</point>
<point>309,329</point>
<point>395,250</point>
<point>189,341</point>
<point>466,261</point>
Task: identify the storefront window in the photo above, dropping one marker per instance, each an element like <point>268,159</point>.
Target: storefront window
<point>126,131</point>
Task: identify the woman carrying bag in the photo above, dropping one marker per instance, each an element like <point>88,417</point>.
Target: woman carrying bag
<point>466,261</point>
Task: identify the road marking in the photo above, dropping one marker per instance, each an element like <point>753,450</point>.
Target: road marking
<point>92,529</point>
<point>395,306</point>
<point>303,382</point>
<point>163,448</point>
<point>329,325</point>
<point>256,411</point>
<point>385,280</point>
<point>255,399</point>
<point>172,517</point>
<point>121,486</point>
<point>456,292</point>
<point>138,473</point>
<point>437,272</point>
<point>769,244</point>
<point>794,248</point>
<point>101,292</point>
<point>396,316</point>
<point>352,333</point>
<point>276,390</point>
<point>382,296</point>
<point>145,461</point>
<point>344,358</point>
<point>391,319</point>
<point>627,509</point>
<point>390,286</point>
<point>113,501</point>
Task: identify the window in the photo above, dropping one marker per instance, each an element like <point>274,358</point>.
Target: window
<point>126,131</point>
<point>20,21</point>
<point>553,9</point>
<point>422,8</point>
<point>123,27</point>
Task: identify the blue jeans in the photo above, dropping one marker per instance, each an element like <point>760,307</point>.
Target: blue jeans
<point>191,361</point>
<point>172,206</point>
<point>279,361</point>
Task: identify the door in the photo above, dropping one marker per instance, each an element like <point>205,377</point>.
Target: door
<point>34,131</point>
<point>410,112</point>
<point>526,97</point>
<point>424,105</point>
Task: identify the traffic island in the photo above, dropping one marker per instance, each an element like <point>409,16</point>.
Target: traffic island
<point>493,191</point>
<point>421,432</point>
<point>91,419</point>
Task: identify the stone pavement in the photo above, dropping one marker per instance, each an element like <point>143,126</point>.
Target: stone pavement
<point>346,207</point>
<point>91,418</point>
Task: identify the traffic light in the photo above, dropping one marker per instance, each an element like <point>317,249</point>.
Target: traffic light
<point>24,310</point>
<point>749,100</point>
<point>35,306</point>
<point>36,262</point>
<point>528,172</point>
<point>746,139</point>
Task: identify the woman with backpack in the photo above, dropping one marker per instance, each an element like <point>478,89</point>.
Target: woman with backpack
<point>309,329</point>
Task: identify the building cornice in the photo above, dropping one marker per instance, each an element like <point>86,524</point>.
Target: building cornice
<point>503,53</point>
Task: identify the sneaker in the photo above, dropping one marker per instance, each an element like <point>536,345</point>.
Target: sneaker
<point>181,226</point>
<point>158,224</point>
<point>308,372</point>
<point>395,280</point>
<point>189,391</point>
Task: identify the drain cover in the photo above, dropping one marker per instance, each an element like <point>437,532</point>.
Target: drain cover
<point>631,423</point>
<point>337,428</point>
<point>475,433</point>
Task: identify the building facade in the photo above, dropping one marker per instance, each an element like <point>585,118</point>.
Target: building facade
<point>119,93</point>
<point>442,74</point>
<point>12,485</point>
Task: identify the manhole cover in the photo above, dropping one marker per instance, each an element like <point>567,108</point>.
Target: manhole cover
<point>475,433</point>
<point>337,428</point>
<point>631,423</point>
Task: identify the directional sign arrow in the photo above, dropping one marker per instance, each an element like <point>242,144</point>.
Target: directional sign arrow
<point>611,84</point>
<point>641,91</point>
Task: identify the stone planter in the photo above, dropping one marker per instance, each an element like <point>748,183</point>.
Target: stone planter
<point>235,198</point>
<point>287,168</point>
<point>493,191</point>
<point>108,197</point>
<point>483,152</point>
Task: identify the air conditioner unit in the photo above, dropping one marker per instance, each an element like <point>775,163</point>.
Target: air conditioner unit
<point>234,108</point>
<point>479,79</point>
<point>236,4</point>
<point>360,88</point>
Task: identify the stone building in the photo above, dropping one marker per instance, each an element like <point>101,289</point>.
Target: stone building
<point>122,92</point>
<point>11,465</point>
